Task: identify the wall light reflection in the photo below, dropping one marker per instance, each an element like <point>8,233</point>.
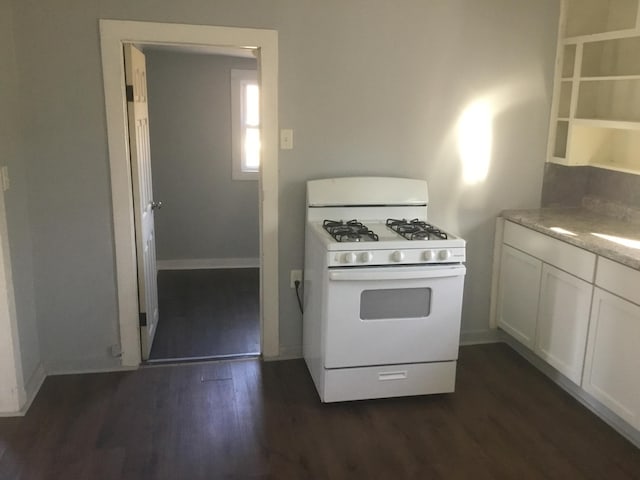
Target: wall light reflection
<point>475,138</point>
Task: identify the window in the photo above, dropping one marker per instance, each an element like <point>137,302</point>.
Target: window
<point>245,118</point>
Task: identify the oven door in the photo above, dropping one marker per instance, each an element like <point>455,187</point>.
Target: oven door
<point>389,315</point>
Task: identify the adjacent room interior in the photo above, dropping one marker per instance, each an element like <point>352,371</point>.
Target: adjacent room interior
<point>207,231</point>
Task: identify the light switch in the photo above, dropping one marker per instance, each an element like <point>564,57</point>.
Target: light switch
<point>286,139</point>
<point>5,178</point>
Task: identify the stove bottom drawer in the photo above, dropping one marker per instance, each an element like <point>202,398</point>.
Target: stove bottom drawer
<point>362,383</point>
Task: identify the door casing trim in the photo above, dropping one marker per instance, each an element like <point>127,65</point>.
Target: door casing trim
<point>113,33</point>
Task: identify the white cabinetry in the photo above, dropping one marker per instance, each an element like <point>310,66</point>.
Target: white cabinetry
<point>596,109</point>
<point>585,326</point>
<point>613,352</point>
<point>544,294</point>
<point>518,293</point>
<point>563,321</point>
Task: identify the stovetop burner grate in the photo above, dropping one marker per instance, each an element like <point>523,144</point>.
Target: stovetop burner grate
<point>415,229</point>
<point>350,231</point>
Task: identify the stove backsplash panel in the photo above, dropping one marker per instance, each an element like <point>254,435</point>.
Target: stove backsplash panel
<point>564,186</point>
<point>608,192</point>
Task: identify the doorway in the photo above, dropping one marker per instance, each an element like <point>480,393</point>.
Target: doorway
<point>113,35</point>
<point>206,233</point>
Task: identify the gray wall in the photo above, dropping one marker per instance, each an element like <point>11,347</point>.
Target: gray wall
<point>20,246</point>
<point>370,87</point>
<point>190,123</point>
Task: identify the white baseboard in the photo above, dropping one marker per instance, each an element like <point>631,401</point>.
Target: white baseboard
<point>6,414</point>
<point>82,371</point>
<point>31,389</point>
<point>205,263</point>
<point>286,353</point>
<point>476,337</point>
<point>291,352</point>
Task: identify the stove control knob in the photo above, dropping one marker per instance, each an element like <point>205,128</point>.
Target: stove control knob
<point>429,255</point>
<point>349,257</point>
<point>366,257</point>
<point>397,256</point>
<point>444,254</point>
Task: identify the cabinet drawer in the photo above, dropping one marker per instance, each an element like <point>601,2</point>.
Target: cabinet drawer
<point>345,384</point>
<point>566,257</point>
<point>618,279</point>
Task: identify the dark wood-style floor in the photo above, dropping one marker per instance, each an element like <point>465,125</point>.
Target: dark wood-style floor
<point>206,313</point>
<point>252,420</point>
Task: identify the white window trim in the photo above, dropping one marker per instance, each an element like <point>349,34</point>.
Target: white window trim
<point>239,78</point>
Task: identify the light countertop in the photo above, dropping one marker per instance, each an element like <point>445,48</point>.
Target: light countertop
<point>606,236</point>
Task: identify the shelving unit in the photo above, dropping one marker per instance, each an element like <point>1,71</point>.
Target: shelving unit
<point>596,105</point>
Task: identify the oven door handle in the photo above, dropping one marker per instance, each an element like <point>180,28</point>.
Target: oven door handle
<point>365,274</point>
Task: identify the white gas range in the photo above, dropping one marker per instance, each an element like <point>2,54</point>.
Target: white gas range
<point>382,290</point>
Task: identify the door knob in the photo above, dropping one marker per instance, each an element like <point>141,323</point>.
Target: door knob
<point>156,205</point>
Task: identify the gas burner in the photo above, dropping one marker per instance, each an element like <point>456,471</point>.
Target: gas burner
<point>350,231</point>
<point>415,229</point>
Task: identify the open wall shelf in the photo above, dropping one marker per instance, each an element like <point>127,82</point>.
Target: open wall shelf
<point>588,17</point>
<point>596,108</point>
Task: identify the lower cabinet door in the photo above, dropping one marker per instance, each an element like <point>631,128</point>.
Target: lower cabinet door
<point>613,355</point>
<point>518,292</point>
<point>563,321</point>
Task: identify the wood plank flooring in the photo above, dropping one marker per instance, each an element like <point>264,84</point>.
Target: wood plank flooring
<point>205,313</point>
<point>253,420</point>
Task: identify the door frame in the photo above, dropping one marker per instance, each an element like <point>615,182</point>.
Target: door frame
<point>13,394</point>
<point>113,33</point>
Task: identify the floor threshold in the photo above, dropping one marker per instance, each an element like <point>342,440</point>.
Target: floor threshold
<point>200,359</point>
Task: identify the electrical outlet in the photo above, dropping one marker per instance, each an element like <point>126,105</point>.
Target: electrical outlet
<point>296,275</point>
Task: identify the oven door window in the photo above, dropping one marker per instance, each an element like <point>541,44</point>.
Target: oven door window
<point>395,303</point>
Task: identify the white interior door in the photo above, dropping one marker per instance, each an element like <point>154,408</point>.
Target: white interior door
<point>137,111</point>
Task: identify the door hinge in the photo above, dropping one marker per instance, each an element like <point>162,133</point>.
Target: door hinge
<point>143,319</point>
<point>129,92</point>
